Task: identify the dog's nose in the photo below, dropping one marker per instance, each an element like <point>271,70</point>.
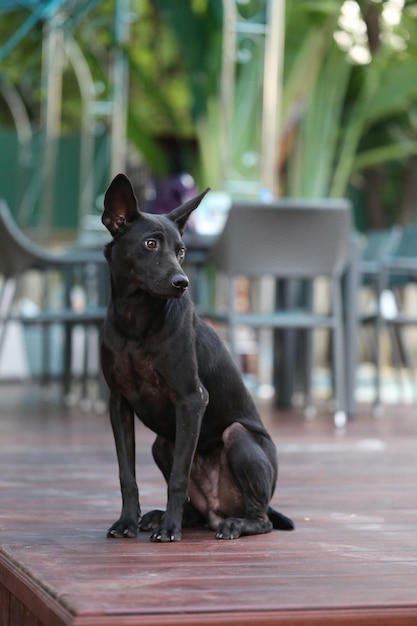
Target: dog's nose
<point>180,282</point>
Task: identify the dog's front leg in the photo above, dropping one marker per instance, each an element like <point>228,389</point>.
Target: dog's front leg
<point>189,414</point>
<point>122,421</point>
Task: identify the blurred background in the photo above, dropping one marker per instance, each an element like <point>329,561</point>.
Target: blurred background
<point>89,88</point>
<point>258,99</point>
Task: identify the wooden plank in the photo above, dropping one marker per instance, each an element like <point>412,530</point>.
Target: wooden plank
<point>4,606</point>
<point>380,616</point>
<point>352,558</point>
<point>30,603</point>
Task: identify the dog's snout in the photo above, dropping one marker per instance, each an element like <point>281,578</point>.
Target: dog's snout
<point>180,282</point>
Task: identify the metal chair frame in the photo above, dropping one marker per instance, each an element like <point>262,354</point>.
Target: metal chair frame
<point>290,240</point>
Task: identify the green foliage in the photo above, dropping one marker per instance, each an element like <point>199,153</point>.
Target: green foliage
<point>21,67</point>
<point>146,145</point>
<point>396,91</point>
<point>337,117</point>
<point>197,30</point>
<point>386,91</point>
<point>347,115</point>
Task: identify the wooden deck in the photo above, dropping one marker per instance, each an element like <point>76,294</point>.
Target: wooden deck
<point>351,560</point>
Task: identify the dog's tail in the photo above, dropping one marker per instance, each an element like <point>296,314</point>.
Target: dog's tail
<point>280,521</point>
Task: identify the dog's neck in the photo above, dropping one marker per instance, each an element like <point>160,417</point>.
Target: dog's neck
<point>138,315</point>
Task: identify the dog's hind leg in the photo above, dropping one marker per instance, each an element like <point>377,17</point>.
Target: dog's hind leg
<point>122,421</point>
<point>252,463</point>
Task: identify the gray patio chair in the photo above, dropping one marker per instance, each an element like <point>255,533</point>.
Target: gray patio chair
<point>377,248</point>
<point>291,240</point>
<point>397,271</point>
<point>18,256</point>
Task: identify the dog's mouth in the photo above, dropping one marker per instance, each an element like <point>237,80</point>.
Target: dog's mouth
<point>163,294</point>
<point>169,293</point>
<point>162,287</point>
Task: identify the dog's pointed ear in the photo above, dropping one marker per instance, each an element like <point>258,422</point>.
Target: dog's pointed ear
<point>181,214</point>
<point>120,204</point>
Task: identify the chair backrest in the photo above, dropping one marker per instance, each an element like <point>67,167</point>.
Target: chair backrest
<point>406,244</point>
<point>379,244</point>
<point>17,252</point>
<point>289,238</point>
<point>377,247</point>
<point>405,252</point>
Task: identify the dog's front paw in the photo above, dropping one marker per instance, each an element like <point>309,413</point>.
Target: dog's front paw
<point>164,534</point>
<point>161,532</point>
<point>123,529</point>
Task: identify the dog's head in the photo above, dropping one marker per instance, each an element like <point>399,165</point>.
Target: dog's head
<point>147,250</point>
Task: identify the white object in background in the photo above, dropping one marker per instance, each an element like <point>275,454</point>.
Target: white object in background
<point>388,305</point>
<point>212,212</point>
<point>13,359</point>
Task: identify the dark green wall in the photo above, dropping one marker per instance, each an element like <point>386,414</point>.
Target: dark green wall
<point>17,173</point>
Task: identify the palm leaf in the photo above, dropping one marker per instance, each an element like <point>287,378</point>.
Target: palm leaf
<point>396,91</point>
<point>383,154</point>
<point>311,164</point>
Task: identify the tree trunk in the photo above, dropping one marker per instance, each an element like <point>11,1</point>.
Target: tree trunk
<point>374,180</point>
<point>408,196</point>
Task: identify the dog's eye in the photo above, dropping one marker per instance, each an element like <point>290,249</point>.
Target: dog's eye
<point>151,244</point>
<point>181,254</point>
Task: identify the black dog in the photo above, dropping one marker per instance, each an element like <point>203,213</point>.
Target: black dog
<point>167,366</point>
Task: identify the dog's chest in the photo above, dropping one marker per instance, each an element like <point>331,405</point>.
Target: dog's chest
<point>135,375</point>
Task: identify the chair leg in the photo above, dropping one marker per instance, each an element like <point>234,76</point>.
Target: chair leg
<point>85,372</point>
<point>67,360</point>
<point>405,357</point>
<point>305,352</point>
<point>306,367</point>
<point>284,348</point>
<point>350,290</point>
<point>340,416</point>
<point>231,326</point>
<point>46,355</point>
<point>284,366</point>
<point>397,355</point>
<point>7,295</point>
<point>377,410</point>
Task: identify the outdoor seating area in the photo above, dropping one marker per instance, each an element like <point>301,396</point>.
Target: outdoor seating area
<point>298,119</point>
<point>64,292</point>
<point>71,295</point>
